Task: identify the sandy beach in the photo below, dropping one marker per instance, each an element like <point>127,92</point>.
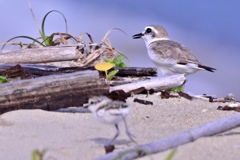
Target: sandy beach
<point>78,136</point>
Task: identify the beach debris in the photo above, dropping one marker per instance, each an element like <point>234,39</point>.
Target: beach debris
<point>185,95</point>
<point>109,148</point>
<point>141,101</point>
<point>52,92</point>
<point>142,90</point>
<point>156,84</point>
<point>83,53</point>
<point>230,107</point>
<point>15,72</point>
<point>117,80</point>
<point>119,95</point>
<point>166,94</point>
<point>228,98</point>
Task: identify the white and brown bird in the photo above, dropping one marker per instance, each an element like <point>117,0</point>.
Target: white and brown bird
<point>169,56</point>
<point>110,111</point>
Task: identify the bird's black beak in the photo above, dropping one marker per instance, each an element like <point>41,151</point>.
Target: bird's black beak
<point>136,36</point>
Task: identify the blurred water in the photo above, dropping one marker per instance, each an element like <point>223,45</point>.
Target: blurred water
<point>209,28</point>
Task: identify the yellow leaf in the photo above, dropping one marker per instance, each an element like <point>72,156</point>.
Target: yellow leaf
<point>103,66</point>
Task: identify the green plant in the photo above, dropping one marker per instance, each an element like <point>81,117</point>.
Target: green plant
<point>46,40</point>
<point>105,66</point>
<point>171,154</point>
<point>118,62</point>
<point>3,79</point>
<point>38,155</point>
<point>177,89</point>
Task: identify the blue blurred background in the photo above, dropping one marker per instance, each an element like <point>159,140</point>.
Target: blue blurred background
<point>210,29</point>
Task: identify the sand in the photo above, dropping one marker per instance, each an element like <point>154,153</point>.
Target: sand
<point>78,136</point>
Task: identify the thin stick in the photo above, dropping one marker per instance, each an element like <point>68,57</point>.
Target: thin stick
<point>206,130</point>
<point>35,20</point>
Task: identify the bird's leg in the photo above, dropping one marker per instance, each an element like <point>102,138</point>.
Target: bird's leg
<point>183,85</point>
<point>116,135</point>
<point>131,136</point>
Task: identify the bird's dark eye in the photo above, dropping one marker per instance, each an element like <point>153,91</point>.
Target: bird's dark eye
<point>149,30</point>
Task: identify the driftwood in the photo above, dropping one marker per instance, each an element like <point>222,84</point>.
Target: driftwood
<point>206,130</point>
<point>43,70</point>
<point>117,80</point>
<point>52,92</point>
<point>156,84</point>
<point>137,71</point>
<point>40,55</point>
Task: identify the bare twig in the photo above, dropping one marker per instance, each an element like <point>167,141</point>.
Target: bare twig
<point>206,130</point>
<point>35,20</point>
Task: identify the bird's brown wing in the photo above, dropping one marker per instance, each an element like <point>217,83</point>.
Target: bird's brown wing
<point>173,50</point>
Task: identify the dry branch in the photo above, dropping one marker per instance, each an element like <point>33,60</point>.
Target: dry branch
<point>136,71</point>
<point>155,84</point>
<point>209,129</point>
<point>43,70</point>
<point>40,55</point>
<point>51,92</point>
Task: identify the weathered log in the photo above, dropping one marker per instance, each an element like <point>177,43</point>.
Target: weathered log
<point>42,70</point>
<point>156,84</point>
<point>40,55</point>
<point>52,92</point>
<point>136,71</point>
<point>209,129</point>
<point>125,80</point>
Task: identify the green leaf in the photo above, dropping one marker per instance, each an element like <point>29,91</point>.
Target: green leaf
<point>43,35</point>
<point>48,40</point>
<point>118,63</point>
<point>177,89</point>
<point>121,57</point>
<point>3,79</point>
<point>171,154</point>
<point>109,60</point>
<point>111,74</point>
<point>123,65</point>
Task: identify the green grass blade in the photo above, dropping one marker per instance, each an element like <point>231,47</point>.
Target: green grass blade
<point>27,37</point>
<point>3,79</point>
<point>109,60</point>
<point>43,35</point>
<point>111,74</point>
<point>121,57</point>
<point>48,40</point>
<point>123,65</point>
<point>171,154</point>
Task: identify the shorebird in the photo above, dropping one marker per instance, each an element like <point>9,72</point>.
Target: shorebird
<point>110,111</point>
<point>169,56</point>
